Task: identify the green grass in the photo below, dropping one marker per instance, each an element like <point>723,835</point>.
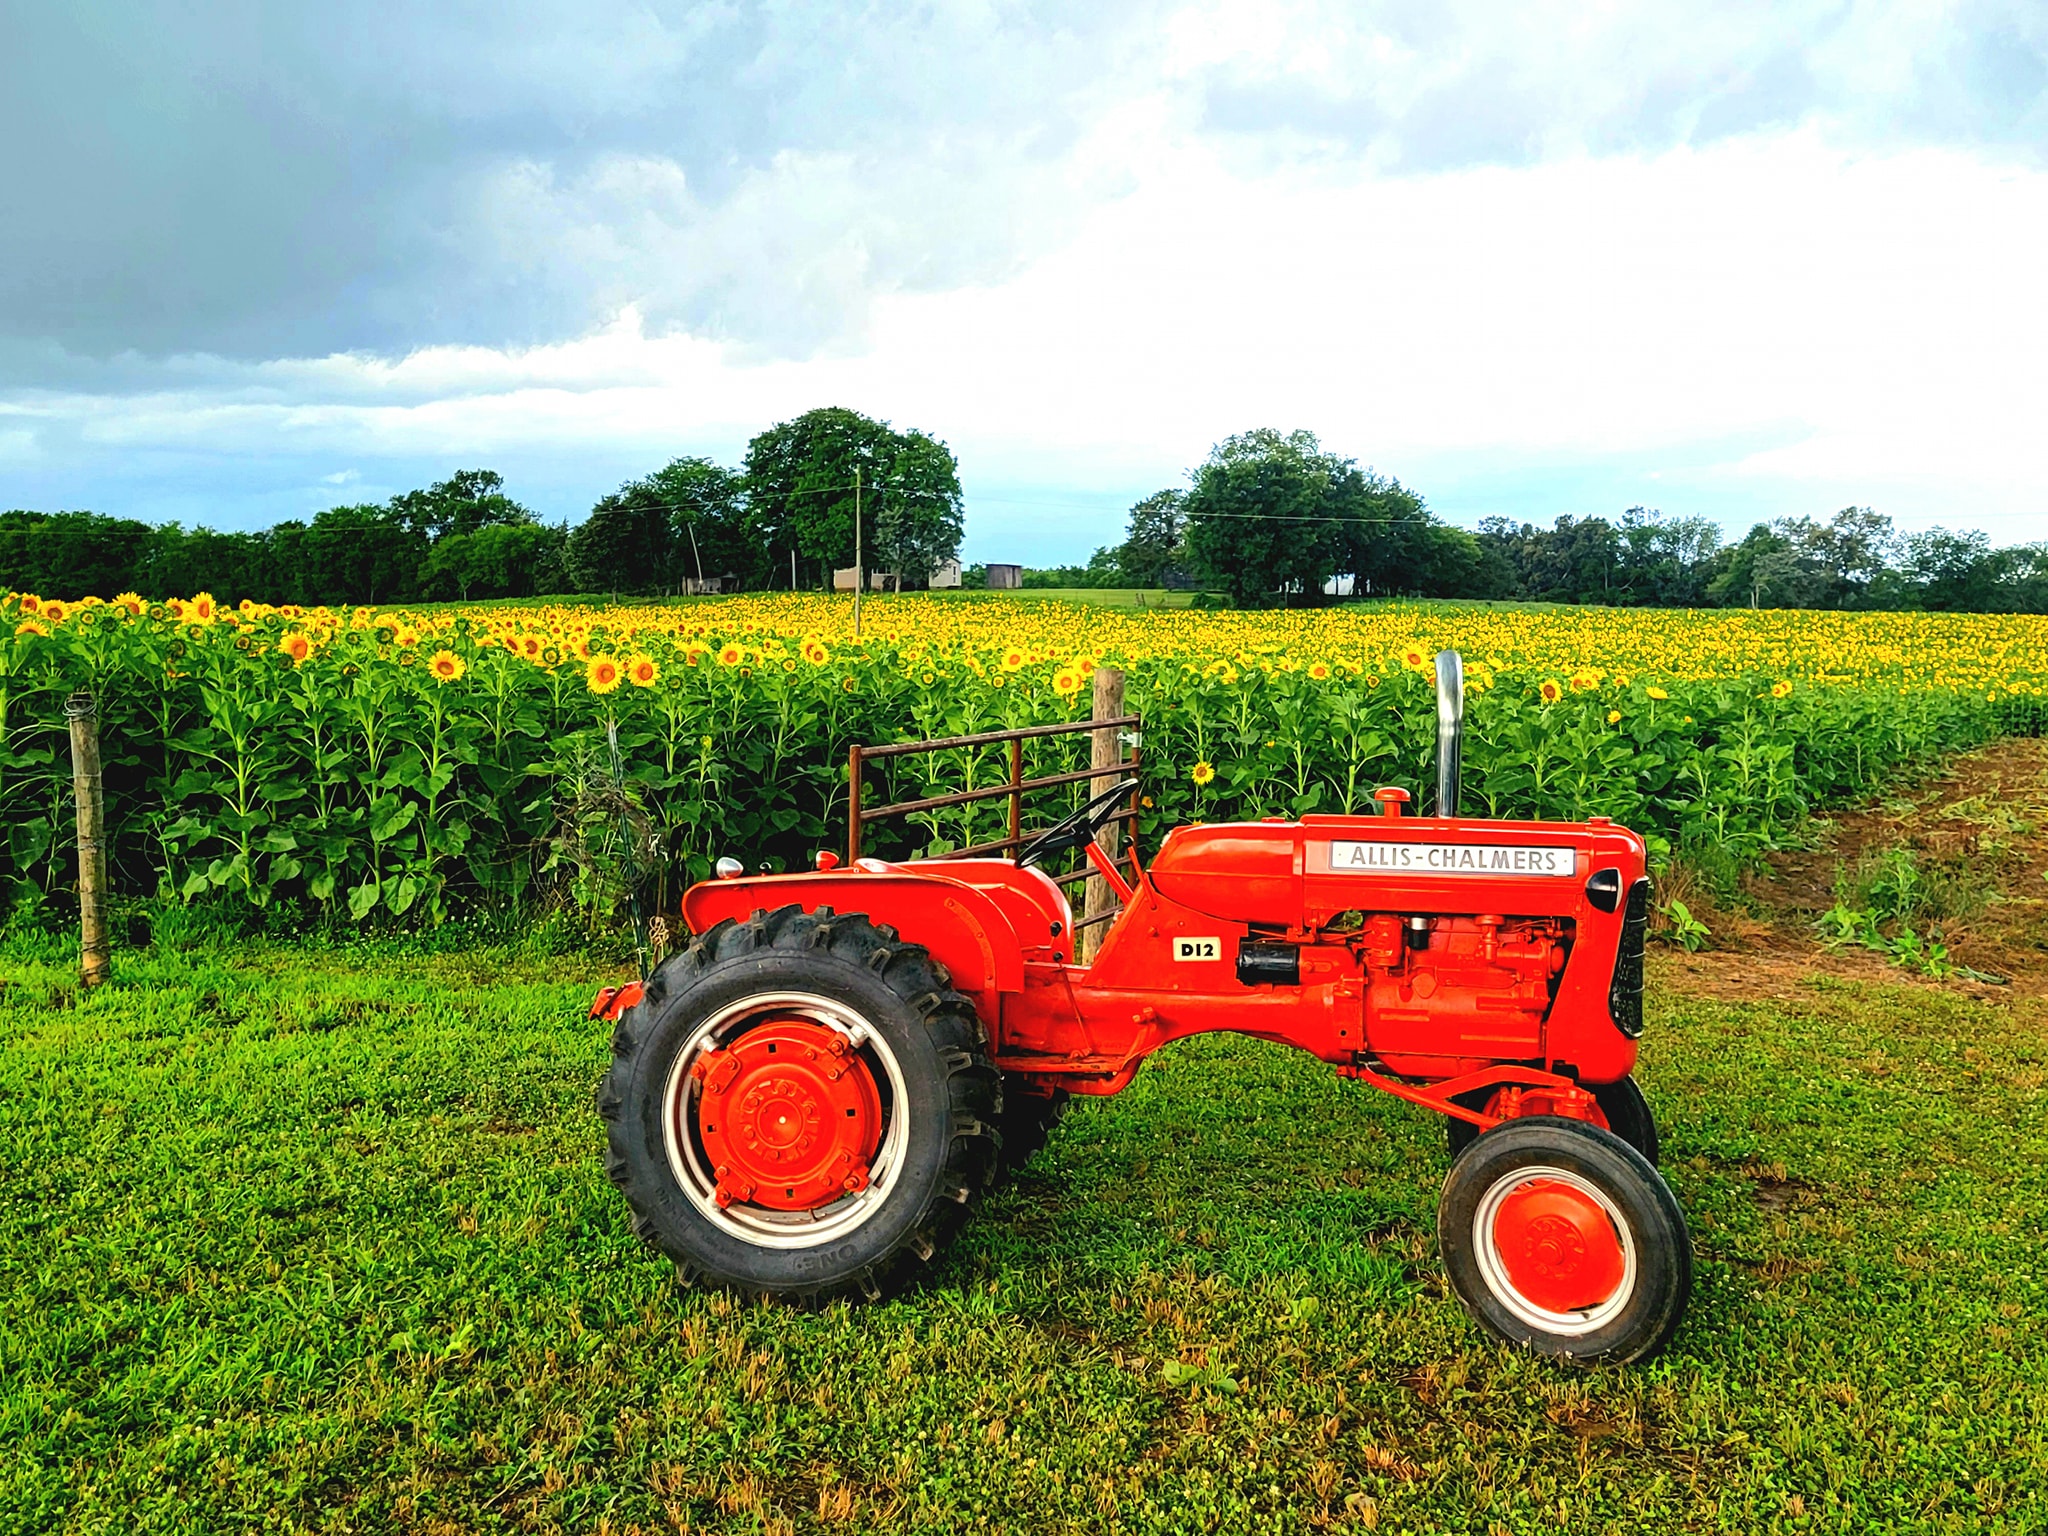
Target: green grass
<point>1132,598</point>
<point>298,1237</point>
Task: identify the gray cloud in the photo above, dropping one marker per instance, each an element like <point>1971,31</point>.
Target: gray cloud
<point>267,180</point>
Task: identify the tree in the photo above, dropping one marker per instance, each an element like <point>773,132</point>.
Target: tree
<point>920,519</point>
<point>498,560</point>
<point>1260,515</point>
<point>361,554</point>
<point>1761,572</point>
<point>1665,563</point>
<point>1154,546</point>
<point>1959,572</point>
<point>800,484</point>
<point>624,545</point>
<point>710,531</point>
<point>800,481</point>
<point>466,501</point>
<point>1388,541</point>
<point>71,554</point>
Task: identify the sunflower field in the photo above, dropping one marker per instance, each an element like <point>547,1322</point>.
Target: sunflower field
<point>378,767</point>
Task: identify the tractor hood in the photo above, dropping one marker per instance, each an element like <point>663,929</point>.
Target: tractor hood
<point>1246,872</point>
<point>1305,872</point>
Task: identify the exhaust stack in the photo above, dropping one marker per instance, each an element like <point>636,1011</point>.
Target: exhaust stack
<point>1450,729</point>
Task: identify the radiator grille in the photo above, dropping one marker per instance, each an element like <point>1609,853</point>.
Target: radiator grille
<point>1625,997</point>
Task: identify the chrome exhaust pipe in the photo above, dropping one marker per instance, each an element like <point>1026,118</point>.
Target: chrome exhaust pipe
<point>1450,729</point>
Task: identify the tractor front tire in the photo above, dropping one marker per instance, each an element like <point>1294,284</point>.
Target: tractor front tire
<point>800,1106</point>
<point>1561,1239</point>
<point>1622,1102</point>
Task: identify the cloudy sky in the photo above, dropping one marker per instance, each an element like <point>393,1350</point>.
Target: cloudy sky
<point>1739,260</point>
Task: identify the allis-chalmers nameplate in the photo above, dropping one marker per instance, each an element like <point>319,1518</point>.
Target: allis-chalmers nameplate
<point>1451,859</point>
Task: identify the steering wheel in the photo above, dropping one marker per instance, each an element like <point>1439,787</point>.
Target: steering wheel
<point>1078,828</point>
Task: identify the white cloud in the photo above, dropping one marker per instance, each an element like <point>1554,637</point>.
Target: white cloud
<point>1763,322</point>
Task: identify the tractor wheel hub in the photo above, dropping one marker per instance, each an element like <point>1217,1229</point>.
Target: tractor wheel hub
<point>788,1115</point>
<point>1559,1247</point>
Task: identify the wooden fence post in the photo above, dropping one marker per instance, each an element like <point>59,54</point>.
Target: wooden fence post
<point>1106,755</point>
<point>95,962</point>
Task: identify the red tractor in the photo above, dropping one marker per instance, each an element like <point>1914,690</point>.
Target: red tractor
<point>807,1100</point>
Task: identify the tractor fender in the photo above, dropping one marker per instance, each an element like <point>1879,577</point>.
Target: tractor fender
<point>963,929</point>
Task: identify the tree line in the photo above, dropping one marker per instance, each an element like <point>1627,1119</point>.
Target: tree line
<point>785,517</point>
<point>1267,518</point>
<point>1273,518</point>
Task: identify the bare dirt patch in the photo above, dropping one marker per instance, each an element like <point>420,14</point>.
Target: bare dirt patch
<point>1975,836</point>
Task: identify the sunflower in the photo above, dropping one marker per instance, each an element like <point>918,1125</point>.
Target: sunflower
<point>131,603</point>
<point>1066,682</point>
<point>1012,659</point>
<point>815,652</point>
<point>55,611</point>
<point>530,646</point>
<point>447,666</point>
<point>31,627</point>
<point>602,674</point>
<point>1657,693</point>
<point>1780,689</point>
<point>1318,670</point>
<point>642,671</point>
<point>1614,717</point>
<point>296,646</point>
<point>730,655</point>
<point>1552,690</point>
<point>1414,658</point>
<point>849,684</point>
<point>1202,773</point>
<point>30,603</point>
<point>203,607</point>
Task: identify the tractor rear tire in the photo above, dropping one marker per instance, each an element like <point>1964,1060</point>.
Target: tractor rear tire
<point>1622,1102</point>
<point>1027,1121</point>
<point>879,1113</point>
<point>1561,1239</point>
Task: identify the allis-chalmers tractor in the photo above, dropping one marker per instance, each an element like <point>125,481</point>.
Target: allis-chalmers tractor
<point>806,1101</point>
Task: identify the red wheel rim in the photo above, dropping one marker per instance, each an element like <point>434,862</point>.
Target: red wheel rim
<point>789,1116</point>
<point>1558,1246</point>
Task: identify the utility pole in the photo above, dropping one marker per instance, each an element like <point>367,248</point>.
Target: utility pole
<point>856,552</point>
<point>696,555</point>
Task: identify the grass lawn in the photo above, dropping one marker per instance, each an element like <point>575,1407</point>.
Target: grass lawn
<point>298,1237</point>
